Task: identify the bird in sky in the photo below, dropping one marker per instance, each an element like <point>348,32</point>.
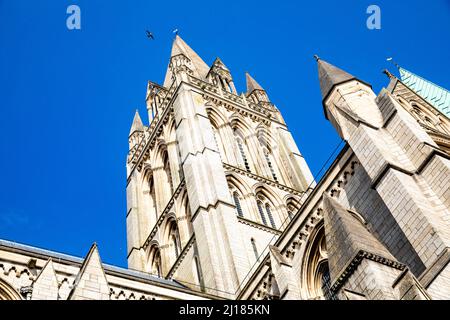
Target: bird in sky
<point>149,35</point>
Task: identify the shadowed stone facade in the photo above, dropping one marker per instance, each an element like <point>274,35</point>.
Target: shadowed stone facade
<point>222,204</point>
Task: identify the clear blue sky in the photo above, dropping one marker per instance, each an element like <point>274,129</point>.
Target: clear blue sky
<point>68,97</point>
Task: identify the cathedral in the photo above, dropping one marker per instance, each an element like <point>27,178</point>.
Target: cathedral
<point>221,204</point>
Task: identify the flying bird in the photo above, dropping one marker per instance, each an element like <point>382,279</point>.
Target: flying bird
<point>149,35</point>
<point>390,59</point>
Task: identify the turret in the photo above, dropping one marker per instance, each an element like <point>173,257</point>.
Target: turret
<point>346,99</point>
<point>220,76</point>
<point>136,131</point>
<point>254,91</point>
<point>399,157</point>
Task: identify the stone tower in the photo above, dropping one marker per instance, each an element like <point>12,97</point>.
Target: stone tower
<point>212,180</point>
<point>409,169</point>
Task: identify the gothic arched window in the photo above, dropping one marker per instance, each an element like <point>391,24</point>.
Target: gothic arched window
<point>261,212</point>
<point>241,146</point>
<point>255,249</point>
<point>265,211</point>
<point>7,292</point>
<point>292,208</point>
<point>269,163</point>
<point>325,281</point>
<point>268,156</point>
<point>150,196</point>
<point>155,261</point>
<point>168,174</point>
<point>174,240</point>
<point>318,278</point>
<point>175,245</point>
<point>237,203</point>
<point>269,214</point>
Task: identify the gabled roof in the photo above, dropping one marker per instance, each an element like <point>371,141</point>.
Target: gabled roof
<point>437,96</point>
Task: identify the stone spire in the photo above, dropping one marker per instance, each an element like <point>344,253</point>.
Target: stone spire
<point>200,68</point>
<point>137,123</point>
<point>346,235</point>
<point>252,84</point>
<point>330,76</point>
<point>219,63</point>
<point>221,75</point>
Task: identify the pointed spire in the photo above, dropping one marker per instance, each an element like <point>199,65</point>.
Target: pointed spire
<point>137,123</point>
<point>344,229</point>
<point>91,282</point>
<point>330,76</point>
<point>45,286</point>
<point>219,62</point>
<point>180,47</point>
<point>252,84</point>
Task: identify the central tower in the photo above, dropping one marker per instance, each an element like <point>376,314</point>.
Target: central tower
<point>212,180</point>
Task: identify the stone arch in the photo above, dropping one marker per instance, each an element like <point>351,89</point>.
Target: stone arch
<point>243,151</point>
<point>260,188</point>
<point>184,215</point>
<point>163,173</point>
<point>268,204</point>
<point>425,116</point>
<point>218,120</point>
<point>149,216</point>
<point>240,124</point>
<point>278,155</point>
<point>154,260</point>
<point>315,274</point>
<point>171,134</point>
<point>7,291</point>
<point>215,115</point>
<point>292,206</point>
<point>246,150</point>
<point>236,181</point>
<point>241,193</point>
<point>171,240</point>
<point>174,153</point>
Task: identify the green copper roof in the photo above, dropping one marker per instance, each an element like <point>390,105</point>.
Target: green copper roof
<point>434,94</point>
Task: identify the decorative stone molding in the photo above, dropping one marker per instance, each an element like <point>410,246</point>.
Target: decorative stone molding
<point>310,222</point>
<point>123,294</point>
<point>258,226</point>
<point>316,215</point>
<point>353,265</point>
<point>263,180</point>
